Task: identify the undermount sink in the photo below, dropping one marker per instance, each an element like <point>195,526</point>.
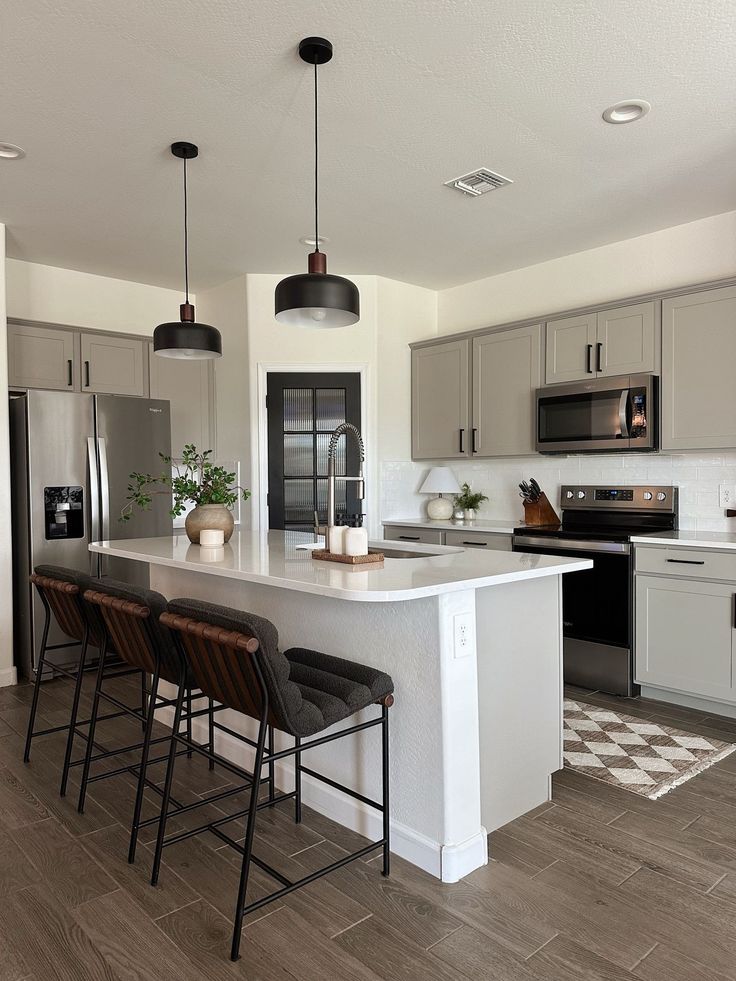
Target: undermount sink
<point>400,553</point>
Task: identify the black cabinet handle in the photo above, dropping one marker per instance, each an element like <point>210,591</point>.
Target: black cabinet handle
<point>599,357</point>
<point>474,436</point>
<point>476,544</point>
<point>70,377</point>
<point>409,538</point>
<point>462,440</point>
<point>589,358</point>
<point>86,374</point>
<point>686,561</point>
<point>734,611</point>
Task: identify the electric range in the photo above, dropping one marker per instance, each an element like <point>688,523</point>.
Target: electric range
<point>598,523</point>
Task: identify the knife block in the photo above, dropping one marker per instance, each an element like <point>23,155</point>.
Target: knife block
<point>540,512</point>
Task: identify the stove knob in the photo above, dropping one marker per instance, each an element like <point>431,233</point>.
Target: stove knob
<point>569,495</point>
<point>581,495</point>
<point>661,496</point>
<point>647,495</point>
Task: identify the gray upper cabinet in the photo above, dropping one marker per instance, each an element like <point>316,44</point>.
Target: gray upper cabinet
<point>698,358</point>
<point>440,401</point>
<point>40,357</point>
<point>570,346</point>
<point>506,372</point>
<point>627,340</point>
<point>187,385</point>
<point>620,341</point>
<point>113,364</point>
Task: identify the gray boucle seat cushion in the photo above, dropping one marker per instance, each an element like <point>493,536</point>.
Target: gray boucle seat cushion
<point>308,691</point>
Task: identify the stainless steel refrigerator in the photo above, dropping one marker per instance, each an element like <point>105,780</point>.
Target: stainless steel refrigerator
<point>71,456</point>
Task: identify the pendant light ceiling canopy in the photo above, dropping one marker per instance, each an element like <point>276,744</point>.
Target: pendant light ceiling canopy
<point>316,298</point>
<point>186,338</point>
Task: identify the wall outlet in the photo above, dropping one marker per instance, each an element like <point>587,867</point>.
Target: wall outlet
<point>464,634</point>
<point>727,496</point>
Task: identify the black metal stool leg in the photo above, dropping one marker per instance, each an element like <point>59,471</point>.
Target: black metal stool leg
<point>385,781</point>
<point>298,782</point>
<point>271,768</point>
<point>249,831</point>
<point>92,727</point>
<point>39,673</point>
<point>189,721</point>
<point>144,678</point>
<point>168,779</point>
<point>148,728</point>
<point>211,724</point>
<point>75,711</point>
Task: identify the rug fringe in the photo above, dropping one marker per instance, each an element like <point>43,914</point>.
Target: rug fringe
<point>665,788</point>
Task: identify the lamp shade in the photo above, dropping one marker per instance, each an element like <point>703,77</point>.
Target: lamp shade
<point>440,480</point>
<point>186,338</point>
<point>317,300</point>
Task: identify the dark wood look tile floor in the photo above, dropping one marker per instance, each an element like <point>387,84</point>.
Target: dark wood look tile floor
<point>597,884</point>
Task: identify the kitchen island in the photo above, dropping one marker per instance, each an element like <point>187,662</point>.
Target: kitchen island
<point>473,641</point>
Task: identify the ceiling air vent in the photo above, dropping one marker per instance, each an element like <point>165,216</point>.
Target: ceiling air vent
<point>478,182</point>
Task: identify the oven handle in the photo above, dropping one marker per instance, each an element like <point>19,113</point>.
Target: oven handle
<point>569,545</point>
<point>623,404</point>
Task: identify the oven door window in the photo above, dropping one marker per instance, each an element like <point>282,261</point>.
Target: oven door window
<point>583,417</point>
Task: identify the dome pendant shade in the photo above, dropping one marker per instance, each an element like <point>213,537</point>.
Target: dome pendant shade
<point>317,299</point>
<point>186,338</point>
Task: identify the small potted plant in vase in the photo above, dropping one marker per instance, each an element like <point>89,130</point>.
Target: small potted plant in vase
<point>191,478</point>
<point>467,503</point>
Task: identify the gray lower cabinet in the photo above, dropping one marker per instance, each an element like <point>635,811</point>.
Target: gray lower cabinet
<point>401,533</point>
<point>685,636</point>
<point>114,365</point>
<point>462,538</point>
<point>40,357</point>
<point>698,358</point>
<point>619,341</point>
<point>440,401</point>
<point>187,384</point>
<point>506,372</point>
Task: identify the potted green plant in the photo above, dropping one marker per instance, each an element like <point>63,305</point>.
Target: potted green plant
<point>191,477</point>
<point>467,502</point>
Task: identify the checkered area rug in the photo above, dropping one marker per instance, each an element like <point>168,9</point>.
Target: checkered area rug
<point>640,756</point>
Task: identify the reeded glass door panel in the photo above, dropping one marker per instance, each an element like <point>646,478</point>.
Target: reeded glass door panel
<point>303,410</point>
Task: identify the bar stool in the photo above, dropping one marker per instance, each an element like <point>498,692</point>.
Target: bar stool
<point>60,591</point>
<point>130,615</point>
<point>234,658</point>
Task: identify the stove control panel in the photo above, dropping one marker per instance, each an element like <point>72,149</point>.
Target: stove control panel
<point>641,498</point>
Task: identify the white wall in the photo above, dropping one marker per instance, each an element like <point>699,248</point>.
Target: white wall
<point>697,252</point>
<point>77,299</point>
<point>7,671</point>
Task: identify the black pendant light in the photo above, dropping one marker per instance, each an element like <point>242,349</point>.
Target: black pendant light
<point>186,338</point>
<point>315,298</point>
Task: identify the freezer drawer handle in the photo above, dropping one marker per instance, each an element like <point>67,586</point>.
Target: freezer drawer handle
<point>686,561</point>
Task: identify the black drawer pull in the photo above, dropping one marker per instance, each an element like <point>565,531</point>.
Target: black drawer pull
<point>462,434</point>
<point>589,359</point>
<point>409,538</point>
<point>86,374</point>
<point>599,359</point>
<point>476,544</point>
<point>474,446</point>
<point>686,561</point>
<point>734,611</point>
<point>70,377</point>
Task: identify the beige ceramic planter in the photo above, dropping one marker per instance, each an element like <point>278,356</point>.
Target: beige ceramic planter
<point>215,516</point>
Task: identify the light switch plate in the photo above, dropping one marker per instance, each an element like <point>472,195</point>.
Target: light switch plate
<point>727,496</point>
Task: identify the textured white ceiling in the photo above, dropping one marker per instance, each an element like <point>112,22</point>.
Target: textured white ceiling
<point>419,91</point>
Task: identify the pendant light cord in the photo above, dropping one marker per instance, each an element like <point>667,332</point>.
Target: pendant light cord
<point>316,165</point>
<point>186,234</point>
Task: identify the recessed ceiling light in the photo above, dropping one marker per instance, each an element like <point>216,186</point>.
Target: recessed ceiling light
<point>627,111</point>
<point>311,241</point>
<point>9,151</point>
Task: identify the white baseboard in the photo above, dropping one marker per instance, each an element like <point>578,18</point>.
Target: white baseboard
<point>450,863</point>
<point>8,677</point>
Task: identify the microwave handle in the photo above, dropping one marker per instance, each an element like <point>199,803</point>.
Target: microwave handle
<point>623,408</point>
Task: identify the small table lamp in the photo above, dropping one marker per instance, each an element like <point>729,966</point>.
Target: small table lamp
<point>440,480</point>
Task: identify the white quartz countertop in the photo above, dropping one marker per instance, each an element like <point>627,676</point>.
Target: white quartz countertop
<point>489,527</point>
<point>273,558</point>
<point>689,539</point>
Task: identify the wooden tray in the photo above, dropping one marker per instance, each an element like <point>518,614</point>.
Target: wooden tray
<point>371,557</point>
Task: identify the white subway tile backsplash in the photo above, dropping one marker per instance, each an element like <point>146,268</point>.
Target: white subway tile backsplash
<point>698,476</point>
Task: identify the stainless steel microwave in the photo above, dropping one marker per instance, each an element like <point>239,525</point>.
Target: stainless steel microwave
<point>604,415</point>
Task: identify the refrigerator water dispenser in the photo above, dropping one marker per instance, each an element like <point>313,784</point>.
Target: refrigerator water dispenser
<point>63,509</point>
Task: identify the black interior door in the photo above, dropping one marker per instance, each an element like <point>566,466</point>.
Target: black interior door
<point>303,408</point>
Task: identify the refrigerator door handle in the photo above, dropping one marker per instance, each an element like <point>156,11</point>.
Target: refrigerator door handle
<point>104,487</point>
<point>94,502</point>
